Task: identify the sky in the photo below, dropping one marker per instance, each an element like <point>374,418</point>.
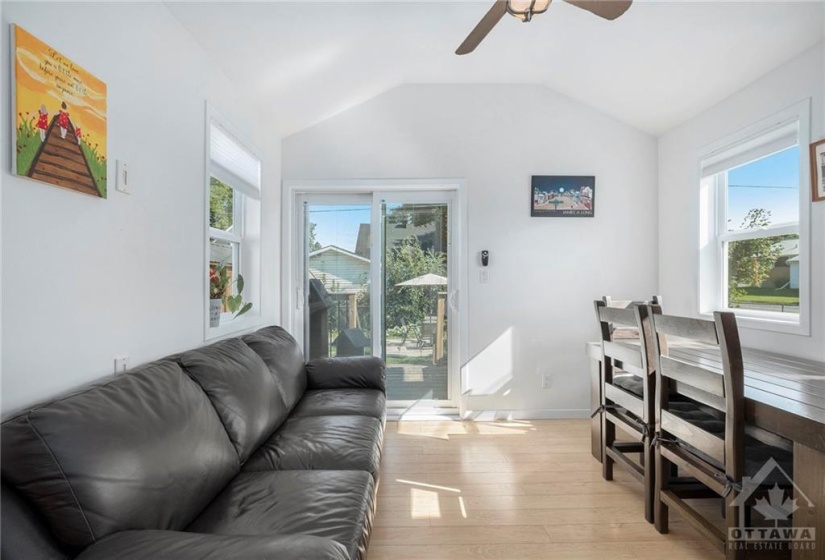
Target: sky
<point>771,183</point>
<point>338,224</point>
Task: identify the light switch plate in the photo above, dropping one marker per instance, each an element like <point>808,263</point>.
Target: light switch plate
<point>121,364</point>
<point>122,184</point>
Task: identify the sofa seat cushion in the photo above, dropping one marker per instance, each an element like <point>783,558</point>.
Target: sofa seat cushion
<point>334,504</point>
<point>172,545</point>
<point>322,442</point>
<point>243,390</point>
<point>343,402</point>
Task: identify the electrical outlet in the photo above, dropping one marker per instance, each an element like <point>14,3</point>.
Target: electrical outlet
<point>121,364</point>
<point>546,380</point>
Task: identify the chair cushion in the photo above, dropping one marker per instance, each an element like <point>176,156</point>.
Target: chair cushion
<point>144,450</point>
<point>282,355</point>
<point>704,417</point>
<point>343,402</point>
<point>242,389</point>
<point>322,442</point>
<point>757,454</point>
<point>629,382</point>
<point>333,504</point>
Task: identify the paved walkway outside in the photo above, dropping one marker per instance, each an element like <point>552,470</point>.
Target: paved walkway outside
<point>414,381</point>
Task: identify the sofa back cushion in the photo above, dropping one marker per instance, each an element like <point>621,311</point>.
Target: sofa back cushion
<point>244,392</point>
<point>285,360</point>
<point>25,535</point>
<point>144,450</point>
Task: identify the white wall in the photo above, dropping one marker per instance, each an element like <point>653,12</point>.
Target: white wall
<point>800,78</point>
<point>86,279</point>
<point>536,312</point>
<point>3,114</point>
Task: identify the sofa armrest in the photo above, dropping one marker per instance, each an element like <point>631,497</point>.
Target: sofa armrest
<point>357,372</point>
<point>145,545</point>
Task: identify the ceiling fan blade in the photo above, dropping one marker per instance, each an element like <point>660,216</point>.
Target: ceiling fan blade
<point>490,19</point>
<point>608,9</point>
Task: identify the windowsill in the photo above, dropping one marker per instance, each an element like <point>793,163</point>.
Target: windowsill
<point>766,321</point>
<point>230,326</point>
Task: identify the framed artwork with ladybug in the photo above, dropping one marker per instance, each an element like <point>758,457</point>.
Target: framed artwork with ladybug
<point>59,118</point>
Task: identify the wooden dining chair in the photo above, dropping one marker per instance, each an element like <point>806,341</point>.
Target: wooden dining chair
<point>627,383</point>
<point>714,450</point>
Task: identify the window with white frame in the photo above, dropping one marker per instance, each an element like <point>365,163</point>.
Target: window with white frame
<point>755,260</point>
<point>233,223</point>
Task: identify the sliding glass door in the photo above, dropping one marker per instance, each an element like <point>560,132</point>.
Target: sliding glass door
<point>337,316</point>
<point>416,286</point>
<point>377,276</point>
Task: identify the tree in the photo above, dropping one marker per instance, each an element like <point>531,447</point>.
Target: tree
<point>314,245</point>
<point>750,261</point>
<point>410,304</point>
<point>221,200</point>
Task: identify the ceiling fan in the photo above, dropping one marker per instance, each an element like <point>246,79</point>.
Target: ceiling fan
<point>526,9</point>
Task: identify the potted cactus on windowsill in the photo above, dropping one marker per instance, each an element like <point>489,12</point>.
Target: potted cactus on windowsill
<point>220,296</point>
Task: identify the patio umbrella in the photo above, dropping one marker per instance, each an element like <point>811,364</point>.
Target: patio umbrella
<point>425,280</point>
<point>431,279</point>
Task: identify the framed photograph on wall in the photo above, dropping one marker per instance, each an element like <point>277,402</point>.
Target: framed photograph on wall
<point>59,115</point>
<point>818,171</point>
<point>563,196</point>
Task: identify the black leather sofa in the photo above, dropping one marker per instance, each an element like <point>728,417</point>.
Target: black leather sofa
<point>234,450</point>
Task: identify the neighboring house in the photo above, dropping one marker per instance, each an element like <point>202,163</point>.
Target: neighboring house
<point>398,230</point>
<point>339,270</point>
<point>785,273</point>
<point>793,264</point>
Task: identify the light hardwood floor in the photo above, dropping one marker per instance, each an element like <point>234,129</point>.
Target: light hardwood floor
<point>512,490</point>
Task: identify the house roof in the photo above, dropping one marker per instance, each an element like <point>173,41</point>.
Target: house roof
<point>788,247</point>
<point>304,62</point>
<point>335,249</point>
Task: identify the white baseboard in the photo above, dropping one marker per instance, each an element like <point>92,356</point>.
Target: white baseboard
<point>421,414</point>
<point>537,414</point>
<point>394,414</point>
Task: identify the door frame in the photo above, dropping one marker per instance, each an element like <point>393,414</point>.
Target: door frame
<point>292,258</point>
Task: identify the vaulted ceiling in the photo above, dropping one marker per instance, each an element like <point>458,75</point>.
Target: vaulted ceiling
<point>655,67</point>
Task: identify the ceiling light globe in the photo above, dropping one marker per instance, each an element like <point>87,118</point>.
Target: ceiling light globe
<point>526,9</point>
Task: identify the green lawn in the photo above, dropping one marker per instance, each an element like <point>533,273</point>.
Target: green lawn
<point>785,296</point>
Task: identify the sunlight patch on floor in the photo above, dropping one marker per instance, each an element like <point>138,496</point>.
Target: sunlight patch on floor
<point>463,508</point>
<point>424,504</point>
<point>433,486</point>
<point>443,429</point>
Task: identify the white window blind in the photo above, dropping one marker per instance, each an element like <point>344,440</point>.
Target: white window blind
<point>776,139</point>
<point>232,163</point>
